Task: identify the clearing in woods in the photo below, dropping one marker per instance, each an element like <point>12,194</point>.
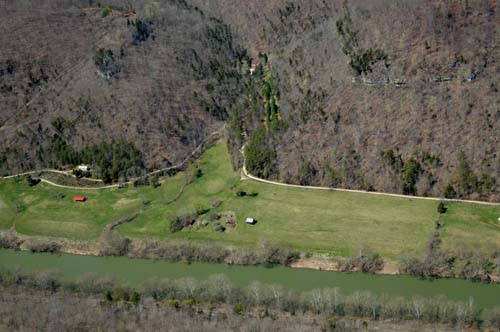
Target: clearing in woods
<point>319,221</point>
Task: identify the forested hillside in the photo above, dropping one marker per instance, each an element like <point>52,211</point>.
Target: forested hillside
<point>153,79</point>
<point>398,96</point>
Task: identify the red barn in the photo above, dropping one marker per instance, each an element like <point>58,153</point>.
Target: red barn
<point>79,198</point>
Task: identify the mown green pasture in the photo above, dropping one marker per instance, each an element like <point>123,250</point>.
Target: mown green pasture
<point>332,222</point>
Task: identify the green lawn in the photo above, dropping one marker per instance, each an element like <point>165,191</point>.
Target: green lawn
<point>40,210</point>
<point>309,220</point>
<point>472,227</point>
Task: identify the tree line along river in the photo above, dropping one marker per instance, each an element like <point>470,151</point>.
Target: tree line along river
<point>136,271</point>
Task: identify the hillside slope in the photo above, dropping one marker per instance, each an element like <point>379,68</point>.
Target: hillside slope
<point>73,75</point>
<point>398,96</point>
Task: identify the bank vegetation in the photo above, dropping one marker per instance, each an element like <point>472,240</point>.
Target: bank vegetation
<point>95,302</point>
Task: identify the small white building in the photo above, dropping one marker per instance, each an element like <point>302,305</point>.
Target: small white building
<point>250,221</point>
<point>84,168</point>
<point>254,66</point>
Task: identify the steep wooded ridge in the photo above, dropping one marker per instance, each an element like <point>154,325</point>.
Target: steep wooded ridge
<point>398,96</point>
<point>123,87</point>
<point>395,96</point>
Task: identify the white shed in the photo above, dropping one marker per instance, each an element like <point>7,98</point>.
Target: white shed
<point>84,168</point>
<point>250,221</point>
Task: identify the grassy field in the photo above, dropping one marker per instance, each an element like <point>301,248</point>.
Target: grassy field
<point>309,220</point>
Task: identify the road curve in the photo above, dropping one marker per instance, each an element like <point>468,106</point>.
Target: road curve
<point>79,188</point>
<point>209,137</point>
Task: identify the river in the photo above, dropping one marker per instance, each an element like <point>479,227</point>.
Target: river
<point>135,271</point>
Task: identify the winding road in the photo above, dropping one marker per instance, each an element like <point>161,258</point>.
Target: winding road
<point>213,136</point>
<point>247,176</point>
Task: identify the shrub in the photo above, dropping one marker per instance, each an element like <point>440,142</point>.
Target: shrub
<point>441,263</point>
<point>411,172</point>
<point>135,297</point>
<point>44,281</point>
<point>9,241</point>
<point>174,304</point>
<point>188,302</point>
<point>115,245</point>
<point>32,181</point>
<point>142,32</point>
<point>92,283</point>
<point>467,180</point>
<point>154,181</point>
<point>176,225</point>
<point>492,318</point>
<point>106,62</point>
<point>307,173</point>
<point>476,267</point>
<point>120,294</point>
<point>363,60</point>
<point>219,228</point>
<point>200,209</point>
<point>107,296</point>
<point>42,245</point>
<point>371,263</point>
<point>412,266</point>
<point>78,173</point>
<point>449,192</point>
<point>215,216</point>
<point>239,308</point>
<point>106,11</point>
<point>367,262</point>
<point>332,323</point>
<point>141,181</point>
<point>441,208</point>
<point>278,255</point>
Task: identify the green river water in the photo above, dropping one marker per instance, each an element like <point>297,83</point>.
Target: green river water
<point>135,271</point>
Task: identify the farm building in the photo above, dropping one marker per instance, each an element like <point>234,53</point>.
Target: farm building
<point>84,168</point>
<point>79,198</point>
<point>251,221</point>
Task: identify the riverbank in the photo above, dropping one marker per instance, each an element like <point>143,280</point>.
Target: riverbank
<point>198,287</point>
<point>134,271</point>
<point>26,310</point>
<point>324,263</point>
<point>184,251</point>
<point>152,249</point>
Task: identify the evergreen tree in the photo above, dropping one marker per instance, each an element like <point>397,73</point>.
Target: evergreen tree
<point>135,297</point>
<point>441,208</point>
<point>107,296</point>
